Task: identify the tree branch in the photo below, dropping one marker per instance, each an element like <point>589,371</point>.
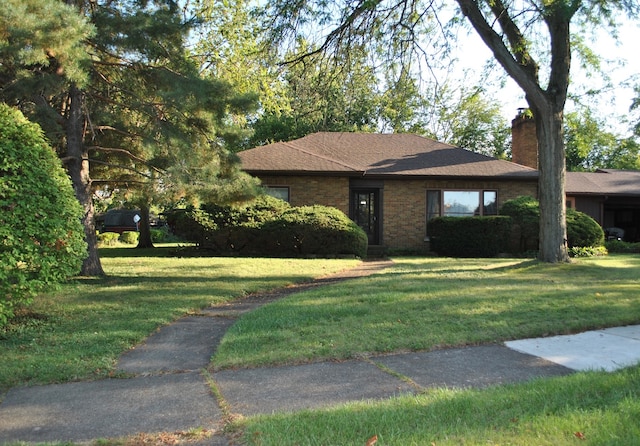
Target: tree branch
<point>522,74</point>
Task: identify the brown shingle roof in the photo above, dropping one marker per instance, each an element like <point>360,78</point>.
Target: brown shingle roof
<point>604,182</point>
<point>374,154</point>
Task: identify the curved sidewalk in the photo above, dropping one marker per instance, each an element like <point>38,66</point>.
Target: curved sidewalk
<point>170,390</point>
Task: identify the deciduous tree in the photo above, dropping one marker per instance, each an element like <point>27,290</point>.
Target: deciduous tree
<point>531,40</point>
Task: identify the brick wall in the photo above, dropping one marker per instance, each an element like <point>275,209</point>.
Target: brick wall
<point>307,190</point>
<point>524,142</point>
<point>405,206</point>
<point>404,201</point>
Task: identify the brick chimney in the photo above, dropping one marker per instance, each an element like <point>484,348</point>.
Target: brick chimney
<point>524,141</point>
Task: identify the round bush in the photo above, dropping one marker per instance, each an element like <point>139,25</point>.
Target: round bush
<point>41,236</point>
<point>108,238</point>
<point>316,230</point>
<point>129,237</point>
<point>582,230</point>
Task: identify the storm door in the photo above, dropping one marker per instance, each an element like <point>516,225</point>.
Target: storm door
<point>365,212</point>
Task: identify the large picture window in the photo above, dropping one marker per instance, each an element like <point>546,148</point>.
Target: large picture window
<point>461,203</point>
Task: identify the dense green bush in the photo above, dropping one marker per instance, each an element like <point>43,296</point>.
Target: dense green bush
<point>525,219</point>
<point>582,230</point>
<point>469,236</point>
<point>129,237</point>
<point>271,227</point>
<point>620,247</point>
<point>41,236</point>
<point>316,230</point>
<point>108,238</point>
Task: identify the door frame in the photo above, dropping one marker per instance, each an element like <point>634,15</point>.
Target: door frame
<point>375,188</point>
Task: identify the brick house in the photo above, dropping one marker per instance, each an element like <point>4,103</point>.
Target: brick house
<point>390,184</point>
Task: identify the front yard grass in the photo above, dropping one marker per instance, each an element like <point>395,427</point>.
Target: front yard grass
<point>433,303</point>
<point>594,408</point>
<point>80,331</point>
<point>430,303</point>
<point>416,304</point>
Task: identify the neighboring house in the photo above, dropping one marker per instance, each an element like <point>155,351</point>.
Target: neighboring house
<point>611,197</point>
<point>118,220</point>
<point>389,184</point>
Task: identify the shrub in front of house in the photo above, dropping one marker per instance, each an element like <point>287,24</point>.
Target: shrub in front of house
<point>582,230</point>
<point>469,236</point>
<point>271,227</point>
<point>129,237</point>
<point>621,247</point>
<point>525,219</point>
<point>315,230</point>
<point>108,238</point>
<point>41,235</point>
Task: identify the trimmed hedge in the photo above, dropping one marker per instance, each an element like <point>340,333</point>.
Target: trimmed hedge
<point>271,228</point>
<point>469,236</point>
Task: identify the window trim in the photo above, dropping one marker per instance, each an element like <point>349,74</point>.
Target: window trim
<point>437,209</point>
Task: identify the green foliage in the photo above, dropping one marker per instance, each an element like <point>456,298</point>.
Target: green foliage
<point>589,147</point>
<point>582,230</point>
<point>316,230</point>
<point>129,237</point>
<point>588,251</point>
<point>618,246</point>
<point>161,235</point>
<point>469,236</point>
<point>108,238</point>
<point>42,239</point>
<point>525,216</point>
<point>42,41</point>
<point>270,227</point>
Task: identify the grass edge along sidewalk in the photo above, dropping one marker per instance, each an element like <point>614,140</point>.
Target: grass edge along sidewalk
<point>78,332</point>
<point>431,303</point>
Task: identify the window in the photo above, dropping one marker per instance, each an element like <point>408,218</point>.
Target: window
<point>571,202</point>
<point>281,192</point>
<point>461,203</point>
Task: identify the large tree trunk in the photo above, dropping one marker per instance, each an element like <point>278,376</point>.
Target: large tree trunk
<point>144,240</point>
<point>551,187</point>
<point>78,168</point>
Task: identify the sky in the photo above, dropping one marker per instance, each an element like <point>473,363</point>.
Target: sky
<point>611,105</point>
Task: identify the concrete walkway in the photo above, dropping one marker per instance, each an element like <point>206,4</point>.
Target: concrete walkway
<point>170,389</point>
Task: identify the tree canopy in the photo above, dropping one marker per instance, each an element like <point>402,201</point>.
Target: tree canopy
<point>136,109</point>
<point>531,41</point>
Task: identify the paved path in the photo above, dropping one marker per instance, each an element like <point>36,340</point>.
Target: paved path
<point>170,388</point>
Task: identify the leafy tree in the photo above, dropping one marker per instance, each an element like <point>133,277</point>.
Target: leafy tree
<point>531,40</point>
<point>145,120</point>
<point>465,118</point>
<point>322,95</point>
<point>42,240</point>
<point>589,147</point>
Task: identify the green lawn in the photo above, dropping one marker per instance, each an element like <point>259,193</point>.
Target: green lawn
<point>80,331</point>
<point>428,303</point>
<point>418,303</point>
<point>584,408</point>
